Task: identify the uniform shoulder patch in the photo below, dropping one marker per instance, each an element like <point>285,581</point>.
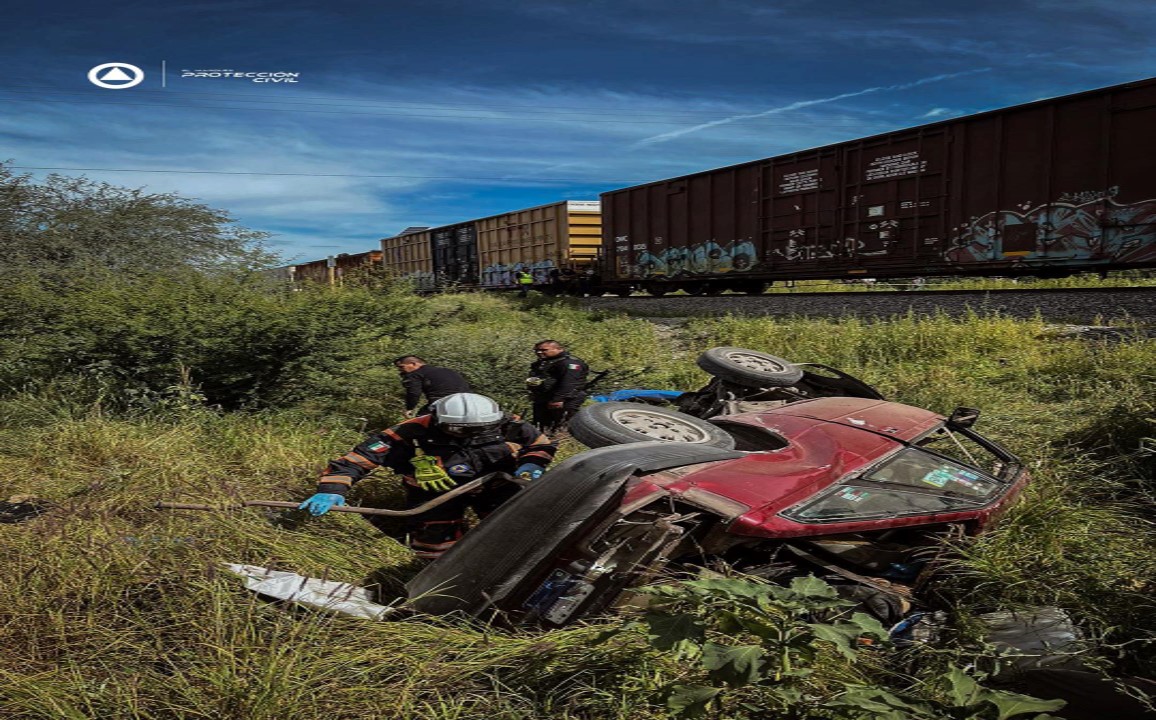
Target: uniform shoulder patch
<point>377,446</point>
<point>574,366</point>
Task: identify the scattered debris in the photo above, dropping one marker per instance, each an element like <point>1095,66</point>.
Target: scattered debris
<point>20,508</point>
<point>317,593</point>
<point>1035,638</point>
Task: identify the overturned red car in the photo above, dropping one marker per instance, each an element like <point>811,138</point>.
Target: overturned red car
<point>858,490</point>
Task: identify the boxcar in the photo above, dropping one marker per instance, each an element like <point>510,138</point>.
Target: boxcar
<point>1047,188</point>
<point>409,255</point>
<point>334,269</point>
<point>544,240</point>
<point>485,253</point>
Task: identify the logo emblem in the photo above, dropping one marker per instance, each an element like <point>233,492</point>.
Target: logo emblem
<point>459,469</point>
<point>116,76</point>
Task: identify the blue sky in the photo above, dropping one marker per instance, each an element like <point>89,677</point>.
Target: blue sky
<point>434,112</point>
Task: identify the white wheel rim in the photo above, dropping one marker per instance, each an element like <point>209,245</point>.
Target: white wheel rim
<point>659,427</point>
<point>756,362</point>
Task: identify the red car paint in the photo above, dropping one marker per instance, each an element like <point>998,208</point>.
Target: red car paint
<point>827,441</point>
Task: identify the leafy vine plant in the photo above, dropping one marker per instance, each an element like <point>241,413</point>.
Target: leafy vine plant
<point>743,648</point>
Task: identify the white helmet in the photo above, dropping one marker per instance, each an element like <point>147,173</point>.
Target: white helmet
<point>467,413</point>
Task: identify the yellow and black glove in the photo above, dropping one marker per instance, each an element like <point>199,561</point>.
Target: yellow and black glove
<point>431,476</point>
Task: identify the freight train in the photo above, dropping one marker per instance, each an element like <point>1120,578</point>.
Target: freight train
<point>1049,188</point>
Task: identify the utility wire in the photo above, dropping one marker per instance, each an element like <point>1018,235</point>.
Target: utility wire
<point>339,175</point>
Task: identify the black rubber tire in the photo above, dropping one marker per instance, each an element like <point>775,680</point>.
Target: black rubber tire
<point>749,368</point>
<point>618,423</point>
<point>497,559</point>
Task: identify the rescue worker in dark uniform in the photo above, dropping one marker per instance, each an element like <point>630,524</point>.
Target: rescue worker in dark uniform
<point>464,437</point>
<point>434,382</point>
<point>557,385</point>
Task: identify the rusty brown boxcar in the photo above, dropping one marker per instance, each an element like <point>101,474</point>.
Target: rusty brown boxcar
<point>1048,188</point>
<point>336,268</point>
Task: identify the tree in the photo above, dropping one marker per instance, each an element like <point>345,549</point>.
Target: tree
<point>65,226</point>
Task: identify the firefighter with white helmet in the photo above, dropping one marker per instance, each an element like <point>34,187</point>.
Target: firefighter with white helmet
<point>463,437</point>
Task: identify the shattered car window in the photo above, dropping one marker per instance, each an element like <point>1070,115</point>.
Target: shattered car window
<point>910,482</point>
<point>966,448</point>
<point>918,469</point>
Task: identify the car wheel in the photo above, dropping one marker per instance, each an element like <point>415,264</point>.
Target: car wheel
<point>749,368</point>
<point>617,423</point>
<point>491,572</point>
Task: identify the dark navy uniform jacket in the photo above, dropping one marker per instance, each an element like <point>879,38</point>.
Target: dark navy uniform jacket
<point>563,378</point>
<point>501,450</point>
<point>434,382</point>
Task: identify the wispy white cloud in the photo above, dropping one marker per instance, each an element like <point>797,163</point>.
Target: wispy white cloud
<point>937,113</point>
<point>799,105</point>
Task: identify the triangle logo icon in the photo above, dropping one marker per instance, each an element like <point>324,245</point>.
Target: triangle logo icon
<point>116,75</point>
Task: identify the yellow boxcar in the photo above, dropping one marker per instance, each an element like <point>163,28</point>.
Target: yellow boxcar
<point>408,256</point>
<point>557,243</point>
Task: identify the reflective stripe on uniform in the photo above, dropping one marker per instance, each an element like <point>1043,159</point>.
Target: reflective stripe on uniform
<point>359,460</point>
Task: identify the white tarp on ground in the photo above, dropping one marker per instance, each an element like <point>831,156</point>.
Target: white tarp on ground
<point>327,595</point>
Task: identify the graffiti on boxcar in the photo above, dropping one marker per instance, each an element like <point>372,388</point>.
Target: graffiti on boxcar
<point>675,261</point>
<point>798,249</point>
<point>502,275</point>
<point>651,265</point>
<point>705,258</point>
<point>1095,229</point>
<point>708,257</point>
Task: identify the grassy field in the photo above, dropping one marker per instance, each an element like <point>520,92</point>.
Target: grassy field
<point>112,609</point>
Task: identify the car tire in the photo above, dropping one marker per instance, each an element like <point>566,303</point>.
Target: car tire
<point>499,558</point>
<point>749,368</point>
<point>618,423</point>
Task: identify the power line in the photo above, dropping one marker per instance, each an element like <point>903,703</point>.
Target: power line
<point>337,175</point>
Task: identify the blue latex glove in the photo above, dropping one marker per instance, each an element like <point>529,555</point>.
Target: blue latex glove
<point>320,503</point>
<point>529,471</point>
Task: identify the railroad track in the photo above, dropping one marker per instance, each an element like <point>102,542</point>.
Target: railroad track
<point>1083,306</point>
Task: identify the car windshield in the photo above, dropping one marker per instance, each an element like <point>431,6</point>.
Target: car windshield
<point>918,469</point>
<point>910,482</point>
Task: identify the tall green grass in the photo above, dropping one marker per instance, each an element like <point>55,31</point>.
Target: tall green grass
<point>112,609</point>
